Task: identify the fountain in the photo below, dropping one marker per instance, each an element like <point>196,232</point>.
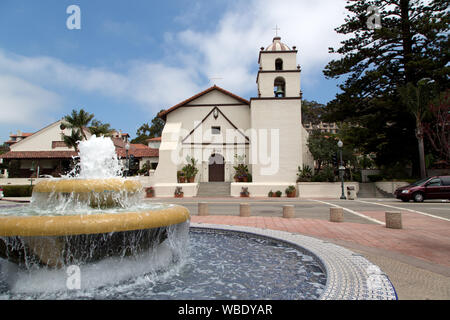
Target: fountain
<point>126,248</point>
<point>87,216</point>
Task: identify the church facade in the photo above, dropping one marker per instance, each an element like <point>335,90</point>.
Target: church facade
<point>220,129</point>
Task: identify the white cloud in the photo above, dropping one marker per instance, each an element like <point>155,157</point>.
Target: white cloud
<point>26,104</point>
<point>229,51</point>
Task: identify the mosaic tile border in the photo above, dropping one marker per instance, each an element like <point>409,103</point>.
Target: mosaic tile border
<point>349,275</point>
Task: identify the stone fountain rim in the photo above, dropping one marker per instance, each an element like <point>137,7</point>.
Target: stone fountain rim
<point>32,226</point>
<point>87,185</point>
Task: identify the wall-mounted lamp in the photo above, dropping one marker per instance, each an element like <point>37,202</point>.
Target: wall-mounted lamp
<point>216,113</point>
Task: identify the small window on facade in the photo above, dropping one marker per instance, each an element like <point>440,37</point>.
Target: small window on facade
<point>215,130</point>
<point>278,64</point>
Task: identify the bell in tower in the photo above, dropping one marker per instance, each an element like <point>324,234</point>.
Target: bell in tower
<point>280,86</point>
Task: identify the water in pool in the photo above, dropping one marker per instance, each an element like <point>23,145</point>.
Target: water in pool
<point>217,265</point>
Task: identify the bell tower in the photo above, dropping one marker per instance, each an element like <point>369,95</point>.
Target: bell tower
<point>279,74</point>
<point>277,109</point>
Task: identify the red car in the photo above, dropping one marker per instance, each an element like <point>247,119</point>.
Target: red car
<point>437,187</point>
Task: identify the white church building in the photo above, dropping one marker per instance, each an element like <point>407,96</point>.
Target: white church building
<point>220,130</point>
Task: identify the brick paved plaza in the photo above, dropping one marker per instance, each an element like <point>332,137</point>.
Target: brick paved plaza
<point>416,258</point>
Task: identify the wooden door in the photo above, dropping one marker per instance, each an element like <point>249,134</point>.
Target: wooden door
<point>216,168</point>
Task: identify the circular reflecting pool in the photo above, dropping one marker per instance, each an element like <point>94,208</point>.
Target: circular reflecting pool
<point>217,265</point>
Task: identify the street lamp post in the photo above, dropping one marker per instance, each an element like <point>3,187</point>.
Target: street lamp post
<point>32,170</point>
<point>127,147</point>
<point>341,169</point>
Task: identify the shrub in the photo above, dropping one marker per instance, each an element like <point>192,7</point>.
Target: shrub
<point>325,175</point>
<point>375,177</point>
<point>304,174</point>
<point>241,172</point>
<point>357,176</point>
<point>190,170</point>
<point>17,191</point>
<point>278,193</point>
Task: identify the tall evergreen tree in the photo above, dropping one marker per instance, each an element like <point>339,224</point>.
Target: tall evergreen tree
<point>411,44</point>
<point>147,131</point>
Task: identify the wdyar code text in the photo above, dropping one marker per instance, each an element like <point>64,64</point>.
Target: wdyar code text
<point>232,309</point>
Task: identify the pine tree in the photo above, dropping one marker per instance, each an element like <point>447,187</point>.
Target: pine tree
<point>410,44</point>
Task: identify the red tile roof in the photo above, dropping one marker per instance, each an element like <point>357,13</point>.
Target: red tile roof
<point>163,114</point>
<point>39,155</point>
<point>154,139</point>
<point>139,146</point>
<point>138,152</point>
<point>24,134</point>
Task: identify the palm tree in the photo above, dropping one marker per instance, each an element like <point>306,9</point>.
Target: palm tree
<point>417,99</point>
<point>72,140</point>
<point>78,121</point>
<point>100,129</point>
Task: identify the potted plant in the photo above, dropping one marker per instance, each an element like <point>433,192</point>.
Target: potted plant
<point>244,192</point>
<point>178,192</point>
<point>242,173</point>
<point>291,192</point>
<point>181,177</point>
<point>190,170</point>
<point>150,192</point>
<point>270,194</point>
<point>278,193</point>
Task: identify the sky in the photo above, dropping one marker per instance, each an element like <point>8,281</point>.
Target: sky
<point>132,58</point>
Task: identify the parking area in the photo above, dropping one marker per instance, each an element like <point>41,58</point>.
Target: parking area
<point>357,211</point>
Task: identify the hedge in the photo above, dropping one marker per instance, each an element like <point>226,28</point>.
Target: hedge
<point>375,177</point>
<point>17,190</point>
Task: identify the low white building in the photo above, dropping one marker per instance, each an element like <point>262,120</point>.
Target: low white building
<point>45,153</point>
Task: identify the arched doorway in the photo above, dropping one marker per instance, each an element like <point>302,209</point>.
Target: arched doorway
<point>216,168</point>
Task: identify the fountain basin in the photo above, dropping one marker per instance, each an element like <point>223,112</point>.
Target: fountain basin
<point>27,226</point>
<point>56,241</point>
<point>97,193</point>
<point>87,185</point>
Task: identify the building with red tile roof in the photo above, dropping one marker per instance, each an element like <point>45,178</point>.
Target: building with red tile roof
<point>45,153</point>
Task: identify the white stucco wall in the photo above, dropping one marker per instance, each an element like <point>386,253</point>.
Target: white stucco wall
<point>390,186</point>
<point>190,116</point>
<point>259,189</point>
<point>42,140</point>
<point>201,144</point>
<point>214,97</point>
<point>154,144</point>
<point>168,189</point>
<point>282,116</point>
<point>308,158</point>
<point>169,152</point>
<point>324,189</point>
<point>266,83</point>
<point>267,60</point>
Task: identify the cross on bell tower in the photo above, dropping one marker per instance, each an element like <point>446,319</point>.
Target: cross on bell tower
<point>276,30</point>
